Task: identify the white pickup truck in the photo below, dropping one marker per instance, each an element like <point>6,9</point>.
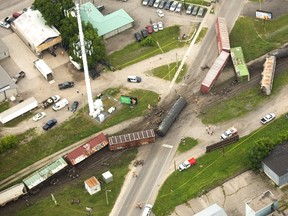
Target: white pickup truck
<point>229,133</point>
<point>186,164</point>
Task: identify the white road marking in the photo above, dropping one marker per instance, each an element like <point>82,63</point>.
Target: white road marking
<point>167,146</point>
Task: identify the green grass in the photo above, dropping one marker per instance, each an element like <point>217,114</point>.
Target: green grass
<point>76,190</point>
<point>34,147</point>
<point>186,144</point>
<point>134,52</point>
<point>257,38</point>
<point>201,34</point>
<point>212,170</point>
<point>242,103</point>
<point>4,106</point>
<point>167,72</point>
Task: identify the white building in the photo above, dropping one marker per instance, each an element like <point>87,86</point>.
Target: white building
<point>213,210</point>
<point>107,177</point>
<point>92,185</point>
<point>7,87</point>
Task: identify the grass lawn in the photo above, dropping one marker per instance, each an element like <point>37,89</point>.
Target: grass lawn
<point>167,72</point>
<point>212,169</point>
<point>34,147</point>
<point>201,35</point>
<point>186,144</point>
<point>76,190</point>
<point>256,37</point>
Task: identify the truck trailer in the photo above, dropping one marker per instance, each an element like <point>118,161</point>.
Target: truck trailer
<point>186,164</point>
<point>44,70</point>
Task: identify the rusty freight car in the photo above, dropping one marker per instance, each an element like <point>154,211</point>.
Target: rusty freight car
<point>131,140</point>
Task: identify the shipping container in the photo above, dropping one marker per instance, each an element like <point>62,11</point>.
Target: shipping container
<point>12,193</point>
<point>173,113</point>
<point>131,140</point>
<point>44,69</point>
<point>268,75</point>
<point>128,100</point>
<point>44,173</point>
<point>240,66</point>
<point>214,72</point>
<point>222,35</point>
<point>18,110</point>
<point>87,149</point>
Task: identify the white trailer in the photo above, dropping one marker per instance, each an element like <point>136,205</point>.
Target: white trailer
<point>18,110</point>
<point>74,63</point>
<point>12,193</point>
<point>44,69</point>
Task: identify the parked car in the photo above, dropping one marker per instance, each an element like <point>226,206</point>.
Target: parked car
<point>66,85</point>
<point>147,210</point>
<point>39,116</point>
<point>18,76</point>
<point>151,3</point>
<point>156,3</point>
<point>189,9</point>
<point>138,36</point>
<point>49,124</point>
<point>162,4</point>
<point>144,33</point>
<point>160,13</point>
<point>155,27</point>
<point>266,119</point>
<point>145,2</point>
<point>9,20</point>
<point>229,133</point>
<point>201,12</point>
<point>195,10</point>
<point>149,29</point>
<point>135,79</point>
<point>178,8</point>
<point>60,104</point>
<point>4,25</point>
<point>173,6</point>
<point>74,106</point>
<point>168,4</point>
<point>160,26</point>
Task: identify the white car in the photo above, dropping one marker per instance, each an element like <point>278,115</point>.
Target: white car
<point>229,133</point>
<point>4,25</point>
<point>160,26</point>
<point>145,2</point>
<point>266,119</point>
<point>55,98</point>
<point>156,3</point>
<point>39,116</point>
<point>160,13</point>
<point>173,6</point>
<point>155,27</point>
<point>178,8</point>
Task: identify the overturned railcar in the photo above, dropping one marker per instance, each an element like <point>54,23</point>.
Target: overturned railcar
<point>176,109</point>
<point>268,75</point>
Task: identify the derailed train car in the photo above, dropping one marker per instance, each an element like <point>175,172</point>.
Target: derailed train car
<point>176,109</point>
<point>268,75</point>
<point>12,193</point>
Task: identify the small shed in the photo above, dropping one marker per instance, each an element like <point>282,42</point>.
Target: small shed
<point>92,185</point>
<point>213,210</point>
<point>107,177</point>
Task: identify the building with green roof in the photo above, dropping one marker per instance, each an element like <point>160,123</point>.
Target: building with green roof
<point>239,64</point>
<point>106,25</point>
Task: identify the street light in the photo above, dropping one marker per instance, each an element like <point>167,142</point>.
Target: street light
<point>107,196</point>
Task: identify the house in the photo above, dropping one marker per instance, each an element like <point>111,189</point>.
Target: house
<point>7,87</point>
<point>106,25</point>
<point>92,185</point>
<point>275,166</point>
<point>261,205</point>
<point>33,31</point>
<point>213,210</point>
<point>4,51</point>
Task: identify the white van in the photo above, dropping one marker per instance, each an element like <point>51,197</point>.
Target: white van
<point>135,79</point>
<point>60,104</point>
<point>147,210</point>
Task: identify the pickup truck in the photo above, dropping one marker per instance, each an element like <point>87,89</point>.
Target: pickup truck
<point>229,133</point>
<point>49,101</point>
<point>186,164</point>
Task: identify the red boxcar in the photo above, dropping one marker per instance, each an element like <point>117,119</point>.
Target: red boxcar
<point>222,35</point>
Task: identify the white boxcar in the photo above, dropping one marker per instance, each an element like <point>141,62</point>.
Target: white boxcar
<point>12,193</point>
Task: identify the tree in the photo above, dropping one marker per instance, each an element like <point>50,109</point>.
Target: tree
<point>68,29</point>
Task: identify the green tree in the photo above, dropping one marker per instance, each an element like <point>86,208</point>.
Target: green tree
<point>68,29</point>
<point>8,142</point>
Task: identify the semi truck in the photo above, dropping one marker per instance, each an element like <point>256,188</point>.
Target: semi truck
<point>44,69</point>
<point>186,164</point>
<point>49,101</point>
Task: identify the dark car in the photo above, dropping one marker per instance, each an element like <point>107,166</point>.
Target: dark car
<point>66,85</point>
<point>201,12</point>
<point>18,76</point>
<point>151,3</point>
<point>162,4</point>
<point>168,4</point>
<point>149,29</point>
<point>74,106</point>
<point>144,33</point>
<point>195,10</point>
<point>138,36</point>
<point>94,74</point>
<point>49,124</point>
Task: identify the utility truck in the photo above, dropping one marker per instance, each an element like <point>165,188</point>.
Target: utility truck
<point>186,164</point>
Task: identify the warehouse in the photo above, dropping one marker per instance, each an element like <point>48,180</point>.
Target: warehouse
<point>8,88</point>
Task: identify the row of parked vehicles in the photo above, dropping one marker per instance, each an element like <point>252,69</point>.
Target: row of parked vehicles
<point>149,29</point>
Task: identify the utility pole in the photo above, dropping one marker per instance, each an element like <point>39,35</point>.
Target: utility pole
<point>84,59</point>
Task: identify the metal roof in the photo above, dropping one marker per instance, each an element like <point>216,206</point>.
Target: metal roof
<point>44,173</point>
<point>107,23</point>
<point>239,61</point>
<point>262,201</point>
<point>223,33</point>
<point>3,47</point>
<point>215,69</point>
<point>131,137</point>
<point>87,149</point>
<point>32,26</point>
<point>5,79</point>
<point>268,73</point>
<point>213,210</point>
<point>92,182</point>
